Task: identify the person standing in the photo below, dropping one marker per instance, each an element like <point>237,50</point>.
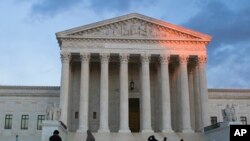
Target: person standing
<point>90,137</point>
<point>55,136</point>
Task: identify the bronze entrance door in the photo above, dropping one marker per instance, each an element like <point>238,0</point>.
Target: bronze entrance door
<point>134,114</point>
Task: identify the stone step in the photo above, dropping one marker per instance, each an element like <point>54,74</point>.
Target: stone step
<point>72,136</point>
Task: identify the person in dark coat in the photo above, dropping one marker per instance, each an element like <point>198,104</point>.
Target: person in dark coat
<point>165,139</point>
<point>55,136</point>
<point>152,138</point>
<point>90,137</point>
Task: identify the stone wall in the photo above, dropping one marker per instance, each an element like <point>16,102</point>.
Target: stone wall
<point>23,100</point>
<point>19,100</point>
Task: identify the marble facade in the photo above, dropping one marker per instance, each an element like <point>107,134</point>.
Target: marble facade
<point>165,63</point>
<point>151,44</point>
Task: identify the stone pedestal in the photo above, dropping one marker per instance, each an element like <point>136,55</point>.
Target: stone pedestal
<point>49,126</point>
<point>220,131</point>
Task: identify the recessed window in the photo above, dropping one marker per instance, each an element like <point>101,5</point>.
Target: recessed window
<point>40,119</point>
<point>76,115</point>
<point>243,119</point>
<point>24,122</point>
<point>94,115</point>
<point>213,120</point>
<point>8,122</point>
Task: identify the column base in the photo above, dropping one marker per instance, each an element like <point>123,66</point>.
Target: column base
<point>103,131</point>
<point>124,131</point>
<point>189,130</point>
<point>199,130</point>
<point>81,130</point>
<point>167,130</point>
<point>147,131</point>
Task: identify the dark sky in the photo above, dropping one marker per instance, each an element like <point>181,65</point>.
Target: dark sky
<point>30,54</point>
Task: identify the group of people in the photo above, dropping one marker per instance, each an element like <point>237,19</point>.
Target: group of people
<point>152,138</point>
<point>90,137</point>
<point>56,137</point>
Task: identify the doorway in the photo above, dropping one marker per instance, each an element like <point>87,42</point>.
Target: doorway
<point>134,114</point>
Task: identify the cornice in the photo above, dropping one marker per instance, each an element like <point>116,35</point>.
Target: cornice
<point>29,91</point>
<point>29,87</point>
<point>29,94</point>
<point>137,40</point>
<point>229,90</point>
<point>232,94</point>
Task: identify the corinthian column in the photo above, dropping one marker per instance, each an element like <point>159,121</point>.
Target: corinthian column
<point>145,97</point>
<point>198,121</point>
<point>203,89</point>
<point>64,89</point>
<point>104,93</point>
<point>124,93</point>
<point>84,93</point>
<point>165,92</point>
<point>184,96</point>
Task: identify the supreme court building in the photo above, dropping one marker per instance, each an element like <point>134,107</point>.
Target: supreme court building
<point>129,74</point>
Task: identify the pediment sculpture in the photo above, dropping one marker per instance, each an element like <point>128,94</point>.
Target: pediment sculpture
<point>133,28</point>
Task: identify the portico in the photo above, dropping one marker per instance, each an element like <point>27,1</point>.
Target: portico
<point>99,62</point>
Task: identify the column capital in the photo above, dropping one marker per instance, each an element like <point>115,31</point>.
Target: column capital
<point>65,57</point>
<point>124,58</point>
<point>190,71</point>
<point>145,58</point>
<point>202,59</point>
<point>85,57</point>
<point>164,58</point>
<point>104,57</point>
<point>183,59</point>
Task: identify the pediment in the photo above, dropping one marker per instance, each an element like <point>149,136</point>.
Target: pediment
<point>134,26</point>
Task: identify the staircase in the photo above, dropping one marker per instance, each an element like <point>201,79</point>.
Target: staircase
<point>73,136</point>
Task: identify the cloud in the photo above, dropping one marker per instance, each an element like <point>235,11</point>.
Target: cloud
<point>52,7</point>
<point>232,67</point>
<point>228,52</point>
<point>225,25</point>
<point>119,5</point>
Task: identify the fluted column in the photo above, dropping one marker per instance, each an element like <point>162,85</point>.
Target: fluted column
<point>124,127</point>
<point>202,59</point>
<point>165,91</point>
<point>104,93</point>
<point>184,96</point>
<point>64,89</point>
<point>84,93</point>
<point>145,97</point>
<point>191,95</point>
<point>197,101</point>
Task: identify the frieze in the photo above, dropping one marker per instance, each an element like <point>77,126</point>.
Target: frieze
<point>83,44</point>
<point>133,27</point>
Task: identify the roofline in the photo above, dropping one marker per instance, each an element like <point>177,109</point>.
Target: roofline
<point>29,87</point>
<point>227,90</point>
<point>142,17</point>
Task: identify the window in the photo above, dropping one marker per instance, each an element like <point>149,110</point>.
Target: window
<point>24,122</point>
<point>94,115</point>
<point>243,119</point>
<point>76,115</point>
<point>213,120</point>
<point>40,119</point>
<point>8,122</point>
